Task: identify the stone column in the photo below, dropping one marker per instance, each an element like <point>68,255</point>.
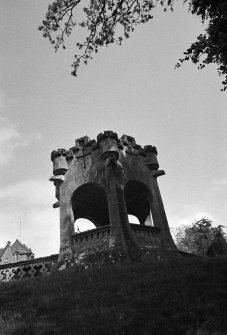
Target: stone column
<point>156,204</point>
<point>66,232</point>
<point>159,214</point>
<point>122,242</point>
<point>60,159</point>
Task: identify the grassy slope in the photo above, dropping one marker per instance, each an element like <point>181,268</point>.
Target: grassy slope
<point>177,297</point>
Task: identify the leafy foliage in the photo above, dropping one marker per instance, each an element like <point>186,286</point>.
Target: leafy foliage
<point>106,22</point>
<point>110,21</point>
<point>202,239</point>
<point>210,47</point>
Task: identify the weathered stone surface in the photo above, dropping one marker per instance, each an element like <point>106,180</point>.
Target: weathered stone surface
<point>105,181</point>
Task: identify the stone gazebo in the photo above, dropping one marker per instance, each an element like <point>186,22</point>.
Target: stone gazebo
<point>105,181</point>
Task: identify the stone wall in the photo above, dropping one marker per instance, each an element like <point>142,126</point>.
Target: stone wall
<point>146,235</point>
<point>27,269</point>
<point>94,239</point>
<point>91,240</point>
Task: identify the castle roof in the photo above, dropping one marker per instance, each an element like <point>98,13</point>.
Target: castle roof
<point>20,248</point>
<point>2,250</point>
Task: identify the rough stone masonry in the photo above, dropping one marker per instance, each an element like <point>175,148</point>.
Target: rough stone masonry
<point>105,180</point>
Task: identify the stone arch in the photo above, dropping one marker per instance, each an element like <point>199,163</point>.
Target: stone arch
<point>137,198</point>
<point>89,202</point>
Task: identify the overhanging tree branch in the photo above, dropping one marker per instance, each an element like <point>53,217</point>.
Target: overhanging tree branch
<point>110,21</point>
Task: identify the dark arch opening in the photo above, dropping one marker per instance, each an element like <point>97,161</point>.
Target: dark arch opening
<point>137,200</point>
<point>89,202</point>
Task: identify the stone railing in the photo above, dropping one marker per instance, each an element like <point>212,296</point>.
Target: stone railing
<point>27,269</point>
<point>85,241</point>
<point>91,234</point>
<point>98,237</point>
<point>145,230</point>
<point>146,235</point>
<point>91,239</point>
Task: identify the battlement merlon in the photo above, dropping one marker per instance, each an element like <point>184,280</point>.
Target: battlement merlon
<point>81,142</point>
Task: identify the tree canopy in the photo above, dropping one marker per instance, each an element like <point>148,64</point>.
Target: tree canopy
<point>112,21</point>
<point>202,239</point>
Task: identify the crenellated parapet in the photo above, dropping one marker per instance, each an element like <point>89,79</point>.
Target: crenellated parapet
<point>108,141</point>
<point>108,134</point>
<point>108,145</point>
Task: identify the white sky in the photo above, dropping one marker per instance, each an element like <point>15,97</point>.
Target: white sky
<point>132,89</point>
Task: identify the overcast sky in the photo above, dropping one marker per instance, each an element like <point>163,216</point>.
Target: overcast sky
<point>132,89</point>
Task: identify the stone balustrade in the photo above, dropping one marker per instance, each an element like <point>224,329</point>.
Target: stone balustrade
<point>88,241</point>
<point>146,235</point>
<point>27,269</point>
<point>99,237</point>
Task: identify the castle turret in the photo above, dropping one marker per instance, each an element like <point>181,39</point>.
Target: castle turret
<point>105,181</point>
<point>60,165</point>
<point>151,157</point>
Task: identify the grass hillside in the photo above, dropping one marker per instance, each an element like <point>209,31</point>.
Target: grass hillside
<point>186,296</point>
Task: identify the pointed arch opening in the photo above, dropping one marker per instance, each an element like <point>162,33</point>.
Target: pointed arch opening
<point>90,207</point>
<point>137,197</point>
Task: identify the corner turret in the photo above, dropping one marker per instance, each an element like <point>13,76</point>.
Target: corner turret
<point>60,167</point>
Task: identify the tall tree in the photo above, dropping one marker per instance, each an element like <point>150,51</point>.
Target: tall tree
<point>110,21</point>
<point>201,238</point>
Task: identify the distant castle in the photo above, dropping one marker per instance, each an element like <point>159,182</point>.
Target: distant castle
<point>16,252</point>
